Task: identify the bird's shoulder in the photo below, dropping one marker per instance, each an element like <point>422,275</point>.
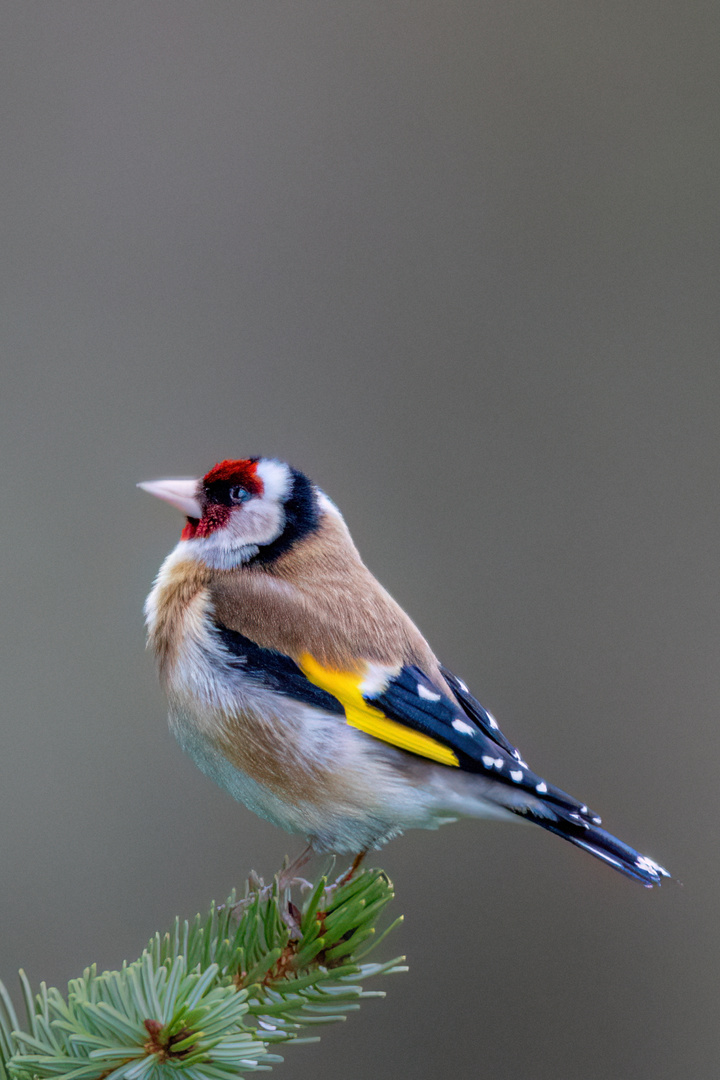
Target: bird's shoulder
<point>319,598</point>
<point>181,585</point>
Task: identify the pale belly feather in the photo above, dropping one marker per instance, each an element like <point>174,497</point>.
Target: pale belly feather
<point>300,767</point>
<point>368,801</point>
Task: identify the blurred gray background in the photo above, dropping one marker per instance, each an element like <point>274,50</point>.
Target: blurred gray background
<point>458,260</point>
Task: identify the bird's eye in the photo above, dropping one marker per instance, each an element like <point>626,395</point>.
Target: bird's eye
<point>238,494</point>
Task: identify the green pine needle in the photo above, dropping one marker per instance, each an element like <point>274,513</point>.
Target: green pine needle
<point>208,999</point>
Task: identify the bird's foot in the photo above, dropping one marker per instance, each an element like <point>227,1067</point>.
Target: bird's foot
<point>351,871</point>
<point>289,874</point>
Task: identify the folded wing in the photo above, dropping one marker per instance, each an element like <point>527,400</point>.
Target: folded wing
<point>404,707</point>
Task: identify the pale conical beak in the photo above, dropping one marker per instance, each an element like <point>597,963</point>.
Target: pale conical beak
<point>179,493</point>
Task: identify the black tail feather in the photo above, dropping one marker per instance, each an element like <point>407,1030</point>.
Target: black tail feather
<point>603,845</point>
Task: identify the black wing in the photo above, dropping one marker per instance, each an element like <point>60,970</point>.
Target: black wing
<point>464,726</point>
<point>459,723</point>
<point>410,697</point>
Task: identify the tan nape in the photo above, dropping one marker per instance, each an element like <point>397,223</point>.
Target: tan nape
<point>320,598</point>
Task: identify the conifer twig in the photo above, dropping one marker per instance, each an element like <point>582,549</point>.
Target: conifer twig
<point>208,999</point>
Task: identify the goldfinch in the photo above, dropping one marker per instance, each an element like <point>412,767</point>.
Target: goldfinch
<point>299,685</point>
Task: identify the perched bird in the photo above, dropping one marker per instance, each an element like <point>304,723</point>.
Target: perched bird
<point>297,683</point>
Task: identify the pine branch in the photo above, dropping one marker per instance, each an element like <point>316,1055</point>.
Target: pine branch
<point>209,999</point>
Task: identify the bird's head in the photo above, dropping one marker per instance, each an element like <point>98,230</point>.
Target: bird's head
<point>242,510</point>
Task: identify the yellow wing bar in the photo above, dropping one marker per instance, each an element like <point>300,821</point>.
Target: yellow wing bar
<point>345,686</point>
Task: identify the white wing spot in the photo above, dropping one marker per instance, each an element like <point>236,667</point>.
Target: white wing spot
<point>541,788</point>
<point>491,762</point>
<point>376,679</point>
<point>583,809</point>
<point>427,694</point>
<point>651,866</point>
<point>493,721</point>
<point>460,725</point>
<point>462,686</point>
<point>516,775</point>
<point>597,821</point>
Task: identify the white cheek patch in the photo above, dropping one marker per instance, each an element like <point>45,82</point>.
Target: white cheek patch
<point>259,521</point>
<point>219,550</point>
<point>251,526</point>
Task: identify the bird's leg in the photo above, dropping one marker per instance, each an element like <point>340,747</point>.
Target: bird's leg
<point>286,878</point>
<point>352,870</point>
<point>288,875</point>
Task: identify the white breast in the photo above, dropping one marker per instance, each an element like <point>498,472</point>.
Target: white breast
<point>212,702</point>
